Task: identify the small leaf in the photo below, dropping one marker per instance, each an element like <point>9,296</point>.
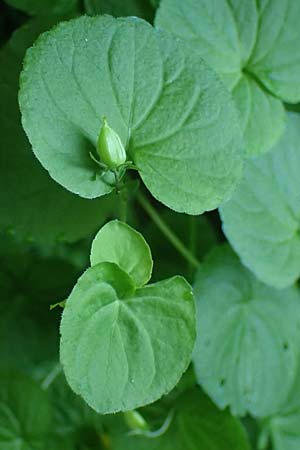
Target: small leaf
<point>247,348</point>
<point>25,413</point>
<point>179,121</point>
<point>120,346</point>
<point>118,243</point>
<point>262,219</point>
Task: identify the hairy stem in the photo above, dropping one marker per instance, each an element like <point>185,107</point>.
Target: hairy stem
<point>166,230</point>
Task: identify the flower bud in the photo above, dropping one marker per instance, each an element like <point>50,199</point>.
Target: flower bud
<point>110,148</point>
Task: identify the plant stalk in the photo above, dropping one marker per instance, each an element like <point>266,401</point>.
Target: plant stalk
<point>166,230</point>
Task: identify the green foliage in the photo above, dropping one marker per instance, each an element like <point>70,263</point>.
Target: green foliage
<point>251,44</point>
<point>118,243</point>
<point>244,335</point>
<point>109,123</point>
<point>25,413</point>
<point>196,423</point>
<point>167,133</point>
<point>262,219</point>
<point>141,329</point>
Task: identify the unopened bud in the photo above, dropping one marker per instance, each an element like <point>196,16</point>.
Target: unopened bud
<point>110,148</point>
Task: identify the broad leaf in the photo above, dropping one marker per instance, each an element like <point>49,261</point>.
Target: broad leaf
<point>44,7</point>
<point>25,413</point>
<point>262,219</point>
<point>247,349</point>
<point>31,203</point>
<point>120,8</point>
<point>252,46</point>
<point>118,243</point>
<point>197,424</point>
<point>178,120</point>
<point>120,346</point>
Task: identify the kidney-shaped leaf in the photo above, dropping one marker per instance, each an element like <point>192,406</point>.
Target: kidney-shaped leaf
<point>247,348</point>
<point>262,219</point>
<point>118,243</point>
<point>25,413</point>
<point>122,348</point>
<point>177,119</point>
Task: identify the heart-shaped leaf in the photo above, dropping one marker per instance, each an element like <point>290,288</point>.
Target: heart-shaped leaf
<point>170,110</point>
<point>120,345</point>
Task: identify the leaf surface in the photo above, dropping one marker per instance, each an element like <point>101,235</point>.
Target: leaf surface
<point>252,46</point>
<point>118,243</point>
<point>262,219</point>
<point>119,346</point>
<point>247,349</point>
<point>169,109</point>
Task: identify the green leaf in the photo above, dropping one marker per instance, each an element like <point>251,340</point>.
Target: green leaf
<point>177,118</point>
<point>25,413</point>
<point>118,243</point>
<point>252,46</point>
<point>262,219</point>
<point>262,115</point>
<point>44,7</point>
<point>120,347</point>
<point>247,349</point>
<point>222,31</point>
<point>197,424</point>
<point>273,59</point>
<point>24,185</point>
<point>120,8</point>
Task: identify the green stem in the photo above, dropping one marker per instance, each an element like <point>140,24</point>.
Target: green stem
<point>164,228</point>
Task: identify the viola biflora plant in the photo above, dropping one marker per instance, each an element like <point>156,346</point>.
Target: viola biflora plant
<point>133,315</point>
